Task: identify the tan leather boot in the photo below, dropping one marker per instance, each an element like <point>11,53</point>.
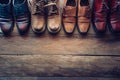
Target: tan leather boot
<point>69,16</point>
<point>38,16</point>
<point>54,16</point>
<point>84,16</point>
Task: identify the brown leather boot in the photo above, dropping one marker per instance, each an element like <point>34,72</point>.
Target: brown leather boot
<point>84,16</point>
<point>69,16</point>
<point>38,16</point>
<point>54,16</point>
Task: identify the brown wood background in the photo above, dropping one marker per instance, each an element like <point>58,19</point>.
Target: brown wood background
<point>91,57</point>
<point>32,57</point>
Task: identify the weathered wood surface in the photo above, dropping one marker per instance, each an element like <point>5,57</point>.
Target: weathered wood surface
<point>47,44</point>
<point>56,78</point>
<point>60,65</point>
<point>60,55</point>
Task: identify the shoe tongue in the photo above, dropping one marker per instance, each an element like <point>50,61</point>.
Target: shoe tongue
<point>17,2</point>
<point>84,2</point>
<point>53,10</point>
<point>39,8</point>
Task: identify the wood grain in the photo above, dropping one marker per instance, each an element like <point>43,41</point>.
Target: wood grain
<point>60,55</point>
<point>56,78</point>
<point>59,65</point>
<point>57,45</point>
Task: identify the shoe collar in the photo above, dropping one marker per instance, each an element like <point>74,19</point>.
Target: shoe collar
<point>6,4</point>
<point>19,4</point>
<point>65,3</point>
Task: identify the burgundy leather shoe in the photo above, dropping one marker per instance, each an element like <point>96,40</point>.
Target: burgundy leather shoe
<point>6,16</point>
<point>115,16</point>
<point>100,15</point>
<point>22,15</point>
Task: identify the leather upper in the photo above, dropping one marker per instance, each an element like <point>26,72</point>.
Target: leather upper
<point>100,15</point>
<point>54,16</point>
<point>6,10</point>
<point>21,9</point>
<point>69,13</point>
<point>22,15</point>
<point>115,15</point>
<point>84,16</point>
<point>6,17</point>
<point>100,10</point>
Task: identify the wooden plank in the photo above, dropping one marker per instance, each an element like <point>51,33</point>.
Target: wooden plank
<point>59,65</point>
<point>48,45</point>
<point>56,78</point>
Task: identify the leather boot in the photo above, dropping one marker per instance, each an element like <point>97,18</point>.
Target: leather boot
<point>84,16</point>
<point>38,16</point>
<point>100,15</point>
<point>54,16</point>
<point>6,16</point>
<point>22,15</point>
<point>69,16</point>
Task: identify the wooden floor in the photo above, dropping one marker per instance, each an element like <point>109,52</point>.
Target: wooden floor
<point>88,57</point>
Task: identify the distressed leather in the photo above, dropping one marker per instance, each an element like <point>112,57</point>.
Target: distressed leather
<point>54,16</point>
<point>38,15</point>
<point>84,15</point>
<point>22,15</point>
<point>69,16</point>
<point>115,15</point>
<point>100,15</point>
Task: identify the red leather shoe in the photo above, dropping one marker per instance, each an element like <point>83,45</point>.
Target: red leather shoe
<point>115,16</point>
<point>100,14</point>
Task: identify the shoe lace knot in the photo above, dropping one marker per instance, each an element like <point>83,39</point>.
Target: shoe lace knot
<point>52,7</point>
<point>39,8</point>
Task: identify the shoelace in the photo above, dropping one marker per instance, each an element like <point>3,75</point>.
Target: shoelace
<point>52,7</point>
<point>104,7</point>
<point>39,7</point>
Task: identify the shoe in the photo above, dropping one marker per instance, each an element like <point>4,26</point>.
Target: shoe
<point>100,16</point>
<point>115,16</point>
<point>22,15</point>
<point>38,16</point>
<point>84,16</point>
<point>54,16</point>
<point>6,17</point>
<point>69,16</point>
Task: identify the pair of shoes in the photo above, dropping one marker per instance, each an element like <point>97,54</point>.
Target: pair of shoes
<point>76,12</point>
<point>106,13</point>
<point>46,12</point>
<point>11,11</point>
